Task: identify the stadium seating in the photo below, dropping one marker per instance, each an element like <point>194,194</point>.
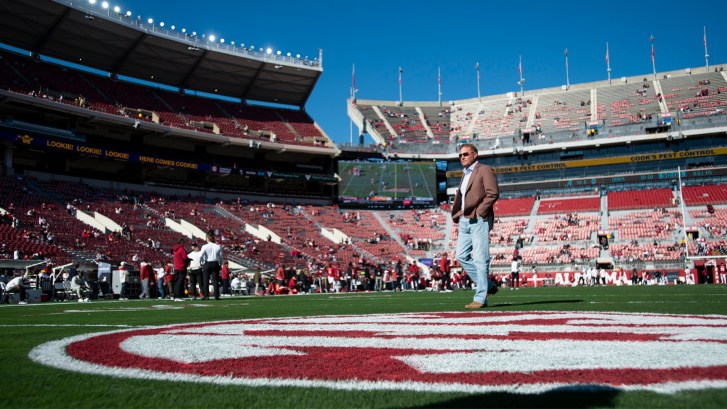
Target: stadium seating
<point>640,199</point>
<point>704,195</point>
<point>556,115</point>
<point>437,119</point>
<point>714,223</point>
<point>507,229</point>
<point>695,95</point>
<point>647,251</point>
<point>654,224</point>
<point>563,206</point>
<point>558,228</point>
<point>624,104</point>
<point>563,111</point>
<point>493,118</point>
<point>514,207</point>
<point>406,123</point>
<point>561,239</point>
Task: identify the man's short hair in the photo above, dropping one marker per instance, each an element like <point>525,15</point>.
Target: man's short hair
<point>472,147</point>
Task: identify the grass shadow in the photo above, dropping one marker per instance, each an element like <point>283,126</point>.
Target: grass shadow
<point>517,304</point>
<point>578,397</point>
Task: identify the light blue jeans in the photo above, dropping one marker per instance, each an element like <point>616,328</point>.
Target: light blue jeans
<point>473,253</point>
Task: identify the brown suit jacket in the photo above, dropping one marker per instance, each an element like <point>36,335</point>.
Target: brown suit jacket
<point>481,194</point>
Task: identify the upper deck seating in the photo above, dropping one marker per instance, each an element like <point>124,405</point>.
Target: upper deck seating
<point>65,85</point>
<point>438,121</point>
<point>563,111</point>
<point>624,104</point>
<point>695,95</point>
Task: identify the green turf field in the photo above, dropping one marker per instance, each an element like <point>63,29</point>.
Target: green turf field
<point>27,384</point>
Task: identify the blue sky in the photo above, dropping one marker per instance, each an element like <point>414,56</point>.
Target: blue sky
<point>420,36</point>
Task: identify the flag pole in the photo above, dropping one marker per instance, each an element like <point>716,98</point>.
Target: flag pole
<point>439,85</point>
<point>653,56</point>
<point>353,82</point>
<point>522,80</point>
<point>353,101</point>
<point>567,77</point>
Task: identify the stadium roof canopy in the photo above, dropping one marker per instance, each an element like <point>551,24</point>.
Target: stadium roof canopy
<point>113,42</point>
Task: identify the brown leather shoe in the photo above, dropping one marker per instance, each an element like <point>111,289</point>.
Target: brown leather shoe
<point>475,305</point>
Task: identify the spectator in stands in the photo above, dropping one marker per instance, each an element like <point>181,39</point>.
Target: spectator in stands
<point>473,212</point>
<point>181,261</point>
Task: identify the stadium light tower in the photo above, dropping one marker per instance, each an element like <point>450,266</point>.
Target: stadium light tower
<point>567,77</point>
<point>477,68</point>
<point>653,56</point>
<point>706,54</point>
<point>401,97</point>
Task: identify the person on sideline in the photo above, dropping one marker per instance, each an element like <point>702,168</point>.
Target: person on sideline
<point>472,211</point>
<point>515,274</point>
<point>147,277</point>
<point>80,287</point>
<point>257,278</point>
<point>225,278</point>
<point>211,261</point>
<point>180,269</point>
<point>16,285</point>
<point>123,277</point>
<point>195,276</point>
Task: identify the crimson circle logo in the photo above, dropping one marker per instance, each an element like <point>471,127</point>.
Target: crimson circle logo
<point>526,352</point>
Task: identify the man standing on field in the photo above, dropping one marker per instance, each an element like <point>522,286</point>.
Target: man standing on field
<point>472,210</point>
